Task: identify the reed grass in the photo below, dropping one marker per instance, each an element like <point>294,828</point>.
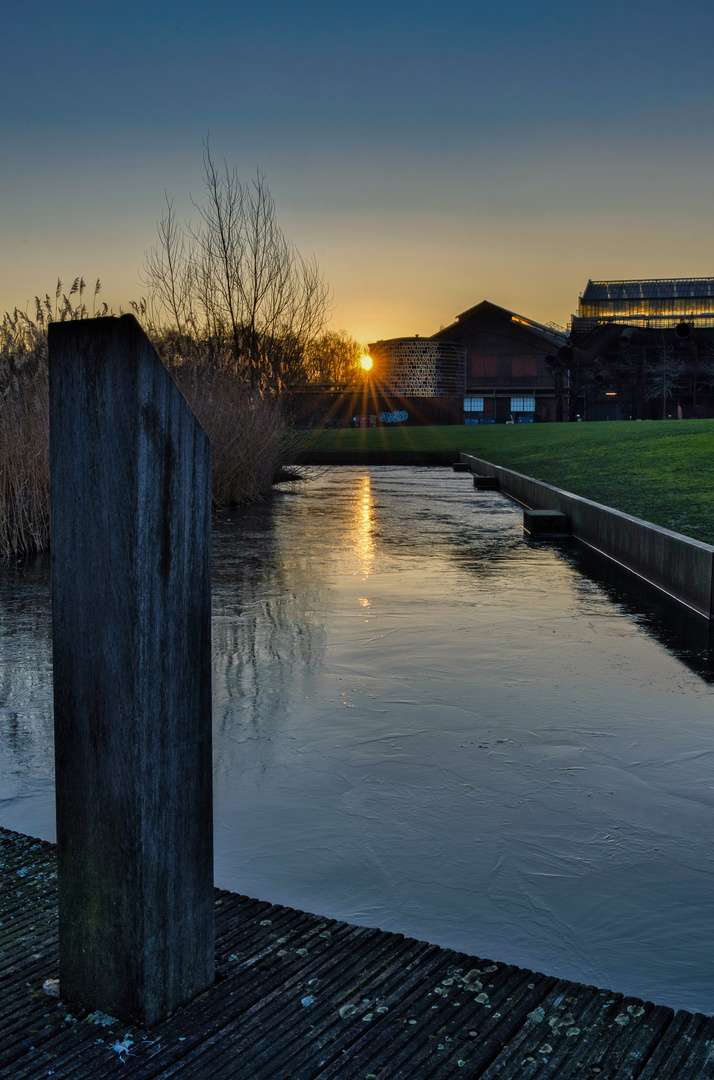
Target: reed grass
<point>250,439</point>
<point>24,437</point>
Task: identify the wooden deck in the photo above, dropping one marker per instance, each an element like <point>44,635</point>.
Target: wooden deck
<point>302,997</point>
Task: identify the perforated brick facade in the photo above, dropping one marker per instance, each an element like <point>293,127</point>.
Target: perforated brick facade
<point>419,367</point>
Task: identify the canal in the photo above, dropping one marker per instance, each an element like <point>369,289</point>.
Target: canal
<point>426,723</point>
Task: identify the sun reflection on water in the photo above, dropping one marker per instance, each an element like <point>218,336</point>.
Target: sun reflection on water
<point>362,527</point>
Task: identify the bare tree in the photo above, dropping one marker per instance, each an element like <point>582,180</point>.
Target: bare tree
<point>334,357</point>
<point>168,274</point>
<point>706,367</point>
<point>666,375</point>
<point>234,283</point>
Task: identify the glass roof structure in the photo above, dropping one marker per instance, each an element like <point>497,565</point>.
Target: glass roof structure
<point>658,302</point>
<point>655,289</point>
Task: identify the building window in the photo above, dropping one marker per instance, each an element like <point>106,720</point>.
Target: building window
<point>473,404</point>
<point>522,404</point>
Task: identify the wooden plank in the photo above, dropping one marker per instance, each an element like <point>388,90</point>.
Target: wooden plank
<point>299,997</point>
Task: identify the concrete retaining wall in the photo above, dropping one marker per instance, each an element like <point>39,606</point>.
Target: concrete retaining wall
<point>377,457</point>
<point>681,567</point>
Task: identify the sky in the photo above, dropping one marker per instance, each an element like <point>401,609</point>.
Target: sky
<point>429,155</point>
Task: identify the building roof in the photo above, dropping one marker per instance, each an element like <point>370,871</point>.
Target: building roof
<point>653,289</point>
<point>550,334</point>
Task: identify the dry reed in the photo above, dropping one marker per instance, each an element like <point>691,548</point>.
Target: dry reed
<point>24,437</point>
<point>250,439</point>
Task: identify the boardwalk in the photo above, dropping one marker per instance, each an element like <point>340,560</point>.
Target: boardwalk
<point>302,997</point>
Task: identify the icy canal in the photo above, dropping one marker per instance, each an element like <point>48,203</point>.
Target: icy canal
<point>425,723</point>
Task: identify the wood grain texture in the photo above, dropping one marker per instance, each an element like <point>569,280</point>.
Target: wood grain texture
<point>130,476</point>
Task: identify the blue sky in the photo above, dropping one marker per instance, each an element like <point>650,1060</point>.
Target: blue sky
<point>430,155</point>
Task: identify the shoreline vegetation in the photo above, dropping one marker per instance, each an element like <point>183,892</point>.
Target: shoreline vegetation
<point>24,437</point>
<point>659,470</point>
<point>251,440</point>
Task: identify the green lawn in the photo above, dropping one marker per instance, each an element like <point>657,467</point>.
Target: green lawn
<point>662,471</point>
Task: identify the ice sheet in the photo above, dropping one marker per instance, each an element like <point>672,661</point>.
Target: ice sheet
<point>426,723</point>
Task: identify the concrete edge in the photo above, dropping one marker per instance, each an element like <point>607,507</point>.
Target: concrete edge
<point>679,566</point>
<point>377,457</point>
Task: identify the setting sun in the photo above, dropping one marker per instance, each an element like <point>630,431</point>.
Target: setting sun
<point>366,362</point>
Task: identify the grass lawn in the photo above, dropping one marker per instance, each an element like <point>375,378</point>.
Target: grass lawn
<point>662,471</point>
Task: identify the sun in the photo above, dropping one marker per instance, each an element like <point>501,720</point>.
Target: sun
<point>366,362</point>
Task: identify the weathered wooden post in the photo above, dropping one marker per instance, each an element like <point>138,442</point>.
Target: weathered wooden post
<point>131,499</point>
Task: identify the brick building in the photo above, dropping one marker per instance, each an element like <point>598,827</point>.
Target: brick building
<point>507,377</point>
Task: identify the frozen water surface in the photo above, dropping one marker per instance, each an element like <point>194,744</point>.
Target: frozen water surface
<point>424,723</point>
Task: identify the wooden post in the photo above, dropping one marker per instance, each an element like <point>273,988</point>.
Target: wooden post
<point>131,500</point>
